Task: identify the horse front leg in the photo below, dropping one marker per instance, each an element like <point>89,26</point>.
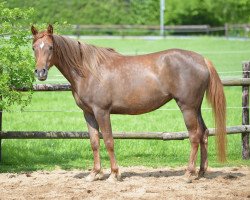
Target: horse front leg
<point>93,128</point>
<point>103,119</point>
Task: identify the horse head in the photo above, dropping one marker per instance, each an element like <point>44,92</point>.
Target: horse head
<point>43,51</point>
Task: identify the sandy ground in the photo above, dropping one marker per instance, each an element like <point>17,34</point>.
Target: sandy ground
<point>138,183</point>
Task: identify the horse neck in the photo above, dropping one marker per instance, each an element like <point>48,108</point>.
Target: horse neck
<point>75,74</point>
<point>70,74</point>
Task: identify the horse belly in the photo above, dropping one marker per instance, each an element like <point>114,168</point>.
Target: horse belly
<point>139,89</point>
<point>139,101</point>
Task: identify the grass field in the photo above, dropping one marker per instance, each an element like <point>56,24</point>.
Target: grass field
<point>19,155</point>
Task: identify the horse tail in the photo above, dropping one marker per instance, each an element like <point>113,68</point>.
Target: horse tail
<point>216,98</point>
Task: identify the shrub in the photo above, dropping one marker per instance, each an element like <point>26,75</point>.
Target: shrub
<point>16,61</point>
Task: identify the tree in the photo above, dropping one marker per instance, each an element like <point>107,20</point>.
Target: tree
<point>16,61</point>
<point>214,13</point>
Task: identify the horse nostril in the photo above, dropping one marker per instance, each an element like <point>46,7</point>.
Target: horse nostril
<point>41,74</point>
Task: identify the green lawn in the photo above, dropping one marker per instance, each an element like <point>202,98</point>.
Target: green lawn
<point>19,155</point>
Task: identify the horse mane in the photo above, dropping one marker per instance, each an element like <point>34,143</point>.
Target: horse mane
<point>80,56</point>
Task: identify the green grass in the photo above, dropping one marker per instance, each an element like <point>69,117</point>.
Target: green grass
<point>23,155</point>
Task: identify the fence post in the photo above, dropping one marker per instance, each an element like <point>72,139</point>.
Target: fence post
<point>1,118</point>
<point>245,112</point>
<point>1,123</point>
<point>1,115</point>
<point>162,9</point>
<point>78,31</point>
<point>226,30</point>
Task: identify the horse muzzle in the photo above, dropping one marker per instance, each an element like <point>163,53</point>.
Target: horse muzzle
<point>41,74</point>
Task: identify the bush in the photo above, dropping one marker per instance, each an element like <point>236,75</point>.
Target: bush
<point>16,61</point>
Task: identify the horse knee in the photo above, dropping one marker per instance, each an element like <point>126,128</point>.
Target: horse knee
<point>109,143</point>
<point>194,137</point>
<point>204,138</point>
<point>95,145</point>
<point>199,136</point>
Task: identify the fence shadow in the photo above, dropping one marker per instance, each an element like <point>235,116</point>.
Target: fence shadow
<point>170,173</point>
<point>179,173</point>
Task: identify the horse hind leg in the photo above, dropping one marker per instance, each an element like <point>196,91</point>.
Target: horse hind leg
<point>203,146</point>
<point>198,135</point>
<point>195,131</point>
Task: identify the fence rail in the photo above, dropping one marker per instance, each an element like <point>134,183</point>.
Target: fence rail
<point>174,28</point>
<point>67,86</point>
<point>117,135</point>
<point>155,29</point>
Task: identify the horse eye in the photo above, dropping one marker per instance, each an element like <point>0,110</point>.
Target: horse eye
<point>50,48</point>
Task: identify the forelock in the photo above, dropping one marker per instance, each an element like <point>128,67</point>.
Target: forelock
<point>41,35</point>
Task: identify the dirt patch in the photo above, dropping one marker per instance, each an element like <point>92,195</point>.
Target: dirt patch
<point>138,183</point>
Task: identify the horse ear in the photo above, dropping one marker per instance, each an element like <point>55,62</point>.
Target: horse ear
<point>50,29</point>
<point>34,30</point>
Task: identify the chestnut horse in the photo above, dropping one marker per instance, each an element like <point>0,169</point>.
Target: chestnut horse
<point>105,82</point>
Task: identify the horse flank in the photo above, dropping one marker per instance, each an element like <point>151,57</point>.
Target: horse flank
<point>81,56</point>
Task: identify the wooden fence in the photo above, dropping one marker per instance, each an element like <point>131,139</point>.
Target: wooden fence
<point>244,129</point>
<point>132,29</point>
<point>124,30</point>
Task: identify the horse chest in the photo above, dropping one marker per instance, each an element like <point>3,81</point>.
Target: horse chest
<point>82,102</point>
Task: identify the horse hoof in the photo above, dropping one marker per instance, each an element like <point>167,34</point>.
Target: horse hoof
<point>113,178</point>
<point>94,176</point>
<point>90,178</point>
<point>201,174</point>
<point>100,176</point>
<point>189,177</point>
